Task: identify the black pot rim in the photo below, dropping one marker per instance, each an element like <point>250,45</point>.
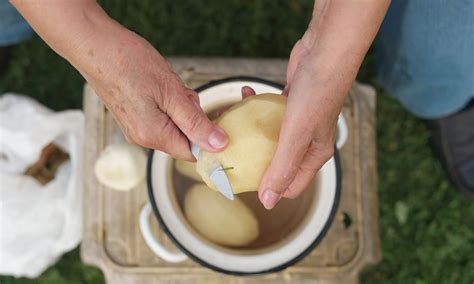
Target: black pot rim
<point>202,262</point>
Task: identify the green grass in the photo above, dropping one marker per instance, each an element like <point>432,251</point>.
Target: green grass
<point>424,223</point>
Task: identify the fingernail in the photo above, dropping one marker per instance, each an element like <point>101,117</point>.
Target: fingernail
<point>270,199</point>
<point>217,139</point>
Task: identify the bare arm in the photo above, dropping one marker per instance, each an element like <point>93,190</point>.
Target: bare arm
<point>323,64</point>
<point>148,100</point>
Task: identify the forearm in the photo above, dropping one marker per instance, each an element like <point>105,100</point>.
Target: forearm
<point>338,37</point>
<point>82,33</point>
<point>321,69</point>
<point>345,27</point>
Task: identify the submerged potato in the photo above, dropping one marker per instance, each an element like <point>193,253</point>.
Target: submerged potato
<point>187,169</point>
<point>253,126</point>
<point>220,220</point>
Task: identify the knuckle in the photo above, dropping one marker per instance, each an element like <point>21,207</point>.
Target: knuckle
<point>166,128</point>
<point>194,122</point>
<point>167,135</point>
<point>287,174</point>
<point>142,137</point>
<point>146,138</point>
<point>313,151</point>
<point>291,192</point>
<point>192,95</point>
<point>328,152</point>
<point>316,152</point>
<point>161,137</point>
<point>164,99</point>
<point>165,94</point>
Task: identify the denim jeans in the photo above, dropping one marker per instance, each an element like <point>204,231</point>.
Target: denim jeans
<point>13,28</point>
<point>424,52</point>
<point>425,55</point>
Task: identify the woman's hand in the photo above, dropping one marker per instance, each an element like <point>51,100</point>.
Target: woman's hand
<point>149,101</point>
<point>322,66</point>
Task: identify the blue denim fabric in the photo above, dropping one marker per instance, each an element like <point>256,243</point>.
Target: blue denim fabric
<point>425,55</point>
<point>13,28</point>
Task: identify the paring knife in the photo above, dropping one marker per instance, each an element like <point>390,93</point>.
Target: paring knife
<point>217,175</point>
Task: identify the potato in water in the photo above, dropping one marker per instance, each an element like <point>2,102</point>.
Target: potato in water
<point>225,222</point>
<point>253,126</point>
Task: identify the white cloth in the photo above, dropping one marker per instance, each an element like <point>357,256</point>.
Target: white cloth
<point>37,223</point>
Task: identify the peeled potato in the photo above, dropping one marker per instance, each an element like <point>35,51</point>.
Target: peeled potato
<point>220,220</point>
<point>253,126</point>
<point>187,169</point>
<point>121,166</point>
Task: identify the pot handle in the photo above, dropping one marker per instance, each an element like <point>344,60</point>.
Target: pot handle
<point>152,243</point>
<point>342,131</point>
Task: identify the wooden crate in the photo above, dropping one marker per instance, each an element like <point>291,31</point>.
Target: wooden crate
<point>112,240</point>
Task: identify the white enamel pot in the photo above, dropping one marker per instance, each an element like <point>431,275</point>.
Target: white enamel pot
<point>285,252</point>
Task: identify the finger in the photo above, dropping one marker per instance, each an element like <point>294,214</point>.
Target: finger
<point>288,157</point>
<point>221,112</point>
<point>285,91</point>
<point>160,133</point>
<point>247,92</point>
<point>278,176</point>
<point>143,123</point>
<point>297,132</point>
<point>313,160</point>
<point>193,122</point>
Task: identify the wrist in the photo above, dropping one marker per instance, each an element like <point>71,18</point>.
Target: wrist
<point>111,57</point>
<point>340,33</point>
<point>109,53</point>
<point>93,41</point>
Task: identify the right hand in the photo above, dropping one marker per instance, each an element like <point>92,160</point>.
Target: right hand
<point>150,102</point>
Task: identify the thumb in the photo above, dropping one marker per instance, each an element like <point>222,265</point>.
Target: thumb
<point>187,114</point>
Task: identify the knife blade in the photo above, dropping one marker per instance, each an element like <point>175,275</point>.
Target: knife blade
<point>217,175</point>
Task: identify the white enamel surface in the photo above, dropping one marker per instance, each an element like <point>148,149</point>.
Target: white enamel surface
<point>230,92</point>
<point>158,248</point>
<point>224,258</point>
<point>342,131</point>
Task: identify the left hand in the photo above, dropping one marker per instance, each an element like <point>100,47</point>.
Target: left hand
<point>308,131</point>
<point>322,66</point>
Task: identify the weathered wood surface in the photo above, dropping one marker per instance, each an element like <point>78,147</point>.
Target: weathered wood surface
<point>112,240</point>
